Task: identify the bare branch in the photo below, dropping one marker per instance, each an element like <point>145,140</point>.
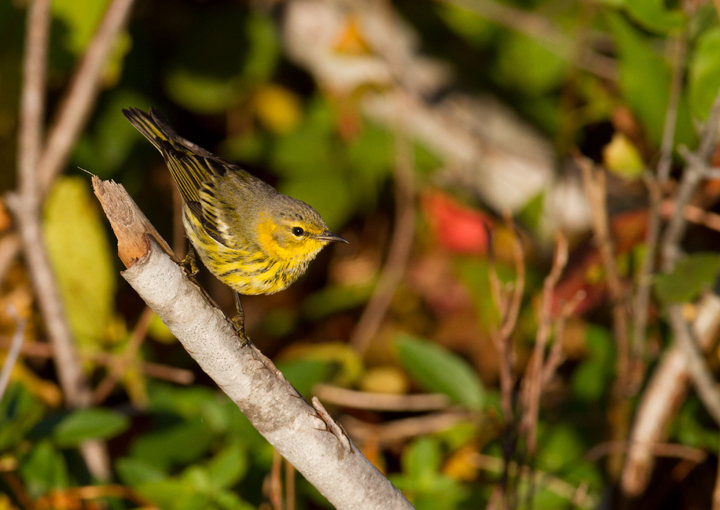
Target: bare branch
<point>400,247</point>
<point>296,430</point>
<point>532,381</point>
<point>32,94</point>
<point>380,401</point>
<point>117,370</point>
<point>662,398</point>
<point>155,370</point>
<point>595,188</point>
<point>14,352</point>
<point>79,100</point>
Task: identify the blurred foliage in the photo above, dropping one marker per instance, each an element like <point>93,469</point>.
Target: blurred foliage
<point>220,72</point>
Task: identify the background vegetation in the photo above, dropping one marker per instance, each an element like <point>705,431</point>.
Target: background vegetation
<point>505,292</point>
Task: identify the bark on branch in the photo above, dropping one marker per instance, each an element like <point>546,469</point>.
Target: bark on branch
<point>304,434</point>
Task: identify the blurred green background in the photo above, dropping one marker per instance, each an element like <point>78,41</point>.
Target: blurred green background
<point>303,111</point>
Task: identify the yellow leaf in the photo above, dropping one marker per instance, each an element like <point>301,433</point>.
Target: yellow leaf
<point>385,380</point>
<point>277,108</point>
<point>81,258</point>
<point>462,466</point>
<point>622,158</point>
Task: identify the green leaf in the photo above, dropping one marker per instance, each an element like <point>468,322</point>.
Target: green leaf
<point>80,18</point>
<point>560,445</point>
<point>201,93</point>
<point>228,500</point>
<point>653,15</point>
<point>475,30</point>
<point>704,75</point>
<point>228,467</point>
<point>591,378</point>
<point>438,370</point>
<point>691,276</point>
<point>524,64</point>
<point>264,47</point>
<point>135,472</point>
<point>44,470</point>
<point>94,423</point>
<point>19,412</point>
<point>160,448</point>
<point>421,460</point>
<point>81,259</point>
<point>645,82</point>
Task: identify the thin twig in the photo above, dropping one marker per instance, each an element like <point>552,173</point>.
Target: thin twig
<point>26,207</point>
<point>75,108</point>
<point>555,356</point>
<point>406,428</point>
<point>9,250</point>
<point>532,381</point>
<point>509,308</point>
<point>117,370</point>
<point>14,352</point>
<point>289,486</point>
<point>401,244</point>
<point>695,171</point>
<point>641,305</point>
<point>275,482</point>
<point>32,94</point>
<point>668,137</point>
<point>679,451</point>
<point>380,401</point>
<point>595,189</point>
<point>154,370</point>
<point>560,487</point>
<point>697,367</point>
<point>692,214</point>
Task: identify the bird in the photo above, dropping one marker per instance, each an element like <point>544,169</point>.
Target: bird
<point>249,236</point>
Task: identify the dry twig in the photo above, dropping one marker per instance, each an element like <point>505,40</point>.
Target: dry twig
<point>14,352</point>
<point>117,370</point>
<point>509,308</point>
<point>380,401</point>
<point>400,247</point>
<point>155,370</point>
<point>76,106</point>
<point>533,379</point>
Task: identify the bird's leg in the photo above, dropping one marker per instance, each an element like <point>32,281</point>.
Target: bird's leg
<point>239,319</point>
<point>189,264</point>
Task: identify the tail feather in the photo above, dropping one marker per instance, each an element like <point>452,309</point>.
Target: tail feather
<point>190,165</point>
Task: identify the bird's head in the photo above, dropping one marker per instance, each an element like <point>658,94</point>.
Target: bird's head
<point>292,230</point>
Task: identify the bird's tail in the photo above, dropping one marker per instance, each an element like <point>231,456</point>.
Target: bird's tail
<point>189,164</point>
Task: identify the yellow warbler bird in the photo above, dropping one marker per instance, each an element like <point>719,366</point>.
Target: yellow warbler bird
<point>252,238</point>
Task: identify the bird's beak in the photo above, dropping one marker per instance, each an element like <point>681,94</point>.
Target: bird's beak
<point>329,236</point>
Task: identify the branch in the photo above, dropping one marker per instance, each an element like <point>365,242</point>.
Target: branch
<point>400,247</point>
<point>32,94</point>
<point>595,189</point>
<point>307,438</point>
<point>660,401</point>
<point>533,379</point>
<point>641,305</point>
<point>14,352</point>
<point>77,104</point>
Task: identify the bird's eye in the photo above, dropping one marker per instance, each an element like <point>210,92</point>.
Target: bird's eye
<point>298,231</point>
